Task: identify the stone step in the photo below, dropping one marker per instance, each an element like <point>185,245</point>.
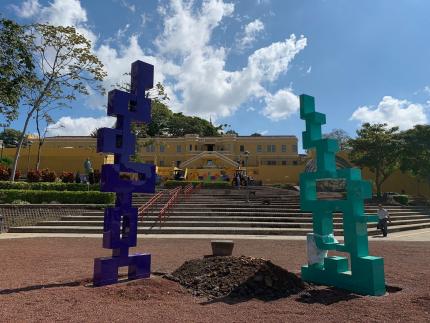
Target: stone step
<point>242,224</point>
<point>247,213</point>
<point>214,218</point>
<point>201,230</point>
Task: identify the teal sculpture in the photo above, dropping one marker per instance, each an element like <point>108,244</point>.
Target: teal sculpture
<point>365,274</point>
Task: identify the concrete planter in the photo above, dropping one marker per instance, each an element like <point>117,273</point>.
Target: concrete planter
<point>222,247</point>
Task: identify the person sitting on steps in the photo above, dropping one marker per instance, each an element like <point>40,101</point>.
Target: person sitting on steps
<point>384,217</point>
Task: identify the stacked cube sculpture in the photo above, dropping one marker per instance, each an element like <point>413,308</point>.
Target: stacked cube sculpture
<point>120,222</point>
<point>366,273</point>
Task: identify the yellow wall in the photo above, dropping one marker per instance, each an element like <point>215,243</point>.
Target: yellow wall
<point>58,160</point>
<point>68,154</point>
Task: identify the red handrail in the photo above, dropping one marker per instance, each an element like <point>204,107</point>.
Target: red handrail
<point>149,203</point>
<point>173,196</point>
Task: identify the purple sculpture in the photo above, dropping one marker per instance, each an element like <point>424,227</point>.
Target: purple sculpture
<point>120,222</point>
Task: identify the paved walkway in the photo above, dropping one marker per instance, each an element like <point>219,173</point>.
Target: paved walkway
<point>416,235</point>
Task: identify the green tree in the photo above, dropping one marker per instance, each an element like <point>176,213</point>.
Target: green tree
<point>45,117</point>
<point>415,152</point>
<point>231,132</point>
<point>341,136</point>
<point>16,67</point>
<point>377,148</point>
<point>65,68</point>
<point>10,137</point>
<point>256,134</point>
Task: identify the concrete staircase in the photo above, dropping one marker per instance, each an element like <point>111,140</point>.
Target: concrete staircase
<point>269,212</point>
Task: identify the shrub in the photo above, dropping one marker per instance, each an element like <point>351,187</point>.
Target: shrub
<point>78,178</point>
<point>91,178</point>
<point>37,197</point>
<point>20,202</point>
<point>6,161</point>
<point>48,176</point>
<point>5,173</point>
<point>97,176</point>
<point>402,199</point>
<point>172,184</point>
<point>67,177</point>
<point>33,176</point>
<point>41,186</point>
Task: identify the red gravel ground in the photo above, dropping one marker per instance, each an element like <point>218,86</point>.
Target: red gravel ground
<point>48,280</point>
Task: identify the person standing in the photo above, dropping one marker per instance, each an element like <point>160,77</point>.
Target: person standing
<point>384,217</point>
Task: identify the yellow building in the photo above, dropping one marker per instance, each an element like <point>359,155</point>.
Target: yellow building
<point>271,159</point>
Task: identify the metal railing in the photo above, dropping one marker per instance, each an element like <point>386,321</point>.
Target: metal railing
<point>174,196</point>
<point>145,207</point>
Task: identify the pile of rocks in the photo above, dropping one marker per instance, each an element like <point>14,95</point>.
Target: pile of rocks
<point>236,277</point>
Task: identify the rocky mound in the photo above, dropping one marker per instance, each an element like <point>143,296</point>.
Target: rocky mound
<point>236,277</point>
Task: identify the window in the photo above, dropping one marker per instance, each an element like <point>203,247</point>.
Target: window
<point>259,148</point>
<point>295,162</point>
<point>191,147</point>
<point>161,162</point>
<point>271,148</point>
<point>295,148</point>
<point>195,147</point>
<point>284,163</point>
<point>162,148</point>
<point>178,148</point>
<point>150,148</point>
<point>242,148</point>
<point>271,162</point>
<point>284,148</point>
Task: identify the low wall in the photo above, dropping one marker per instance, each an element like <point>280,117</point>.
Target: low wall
<point>27,215</point>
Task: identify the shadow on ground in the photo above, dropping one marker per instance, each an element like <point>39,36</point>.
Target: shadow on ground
<point>42,286</point>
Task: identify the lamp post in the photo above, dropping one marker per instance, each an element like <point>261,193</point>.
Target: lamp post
<point>29,143</point>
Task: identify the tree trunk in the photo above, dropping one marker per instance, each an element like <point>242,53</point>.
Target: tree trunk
<point>18,148</point>
<point>378,183</point>
<point>40,141</point>
<point>39,149</point>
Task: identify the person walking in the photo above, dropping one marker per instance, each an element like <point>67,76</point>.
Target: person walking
<point>384,217</point>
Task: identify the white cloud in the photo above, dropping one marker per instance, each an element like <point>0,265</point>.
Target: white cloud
<point>250,109</point>
<point>427,89</point>
<point>69,126</point>
<point>393,112</point>
<point>192,69</point>
<point>250,33</point>
<point>129,6</point>
<point>281,105</point>
<point>263,132</point>
<point>27,9</point>
<point>58,13</point>
<point>308,71</point>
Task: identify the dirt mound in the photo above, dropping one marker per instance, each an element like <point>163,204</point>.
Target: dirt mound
<point>236,277</point>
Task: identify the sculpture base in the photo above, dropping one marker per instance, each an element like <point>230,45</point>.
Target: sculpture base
<point>367,277</point>
<point>106,268</point>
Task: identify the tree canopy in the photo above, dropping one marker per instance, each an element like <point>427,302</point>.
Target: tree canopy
<point>64,68</point>
<point>16,67</point>
<point>415,152</point>
<point>377,148</point>
<point>10,137</point>
<point>341,136</point>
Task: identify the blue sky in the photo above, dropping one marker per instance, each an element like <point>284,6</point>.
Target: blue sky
<point>245,62</point>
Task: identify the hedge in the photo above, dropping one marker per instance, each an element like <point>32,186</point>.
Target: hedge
<point>172,184</point>
<point>47,186</point>
<point>402,199</point>
<point>65,197</point>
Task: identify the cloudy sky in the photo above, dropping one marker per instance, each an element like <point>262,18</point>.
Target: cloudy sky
<point>245,62</point>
